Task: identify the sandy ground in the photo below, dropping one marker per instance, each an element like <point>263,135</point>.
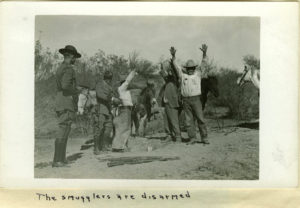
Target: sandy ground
<point>233,153</point>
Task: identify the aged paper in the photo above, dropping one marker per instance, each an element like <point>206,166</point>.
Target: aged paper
<point>198,198</point>
<point>278,144</point>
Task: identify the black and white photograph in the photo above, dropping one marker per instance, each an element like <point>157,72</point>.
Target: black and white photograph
<point>146,97</point>
<point>148,104</point>
<point>136,97</point>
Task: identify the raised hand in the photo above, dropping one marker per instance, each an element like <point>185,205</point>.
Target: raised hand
<point>203,48</point>
<point>172,51</point>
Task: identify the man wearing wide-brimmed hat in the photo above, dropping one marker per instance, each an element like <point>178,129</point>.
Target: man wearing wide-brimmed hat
<point>66,102</point>
<point>191,90</point>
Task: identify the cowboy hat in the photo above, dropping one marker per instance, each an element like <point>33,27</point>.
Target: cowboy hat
<point>70,49</point>
<point>190,64</point>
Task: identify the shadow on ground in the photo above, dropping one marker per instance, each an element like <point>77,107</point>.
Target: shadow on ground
<point>249,125</point>
<point>71,158</point>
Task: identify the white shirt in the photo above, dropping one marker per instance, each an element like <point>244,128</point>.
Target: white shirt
<point>190,84</point>
<point>255,77</point>
<point>124,93</point>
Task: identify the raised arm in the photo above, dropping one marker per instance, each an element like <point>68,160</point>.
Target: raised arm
<point>162,71</point>
<point>129,78</point>
<point>175,67</point>
<point>204,62</point>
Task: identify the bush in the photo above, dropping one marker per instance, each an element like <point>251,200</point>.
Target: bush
<point>243,102</point>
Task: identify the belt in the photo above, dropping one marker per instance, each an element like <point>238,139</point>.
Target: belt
<point>191,97</point>
<point>125,107</point>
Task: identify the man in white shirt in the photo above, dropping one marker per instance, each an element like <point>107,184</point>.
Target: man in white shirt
<point>190,83</point>
<point>123,121</point>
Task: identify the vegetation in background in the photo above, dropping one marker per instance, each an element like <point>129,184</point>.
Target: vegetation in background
<point>242,102</point>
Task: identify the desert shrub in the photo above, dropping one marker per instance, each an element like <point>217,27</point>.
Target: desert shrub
<point>91,68</point>
<point>243,102</point>
<point>46,62</point>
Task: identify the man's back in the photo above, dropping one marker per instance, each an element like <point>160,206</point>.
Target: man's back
<point>104,94</point>
<point>171,94</point>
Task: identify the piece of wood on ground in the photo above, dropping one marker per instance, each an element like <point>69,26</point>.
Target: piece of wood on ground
<point>135,160</point>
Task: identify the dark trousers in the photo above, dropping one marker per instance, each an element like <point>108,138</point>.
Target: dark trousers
<point>102,129</point>
<point>65,119</point>
<point>193,111</point>
<point>135,121</point>
<point>171,122</point>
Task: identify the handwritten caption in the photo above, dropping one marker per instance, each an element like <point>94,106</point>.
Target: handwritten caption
<point>95,196</point>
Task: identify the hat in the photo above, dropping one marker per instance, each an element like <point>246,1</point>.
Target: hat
<point>190,64</point>
<point>70,49</point>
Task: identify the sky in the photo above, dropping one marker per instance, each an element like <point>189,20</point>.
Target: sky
<point>228,38</point>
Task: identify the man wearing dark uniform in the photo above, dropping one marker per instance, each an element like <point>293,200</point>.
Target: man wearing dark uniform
<point>103,118</point>
<point>66,102</point>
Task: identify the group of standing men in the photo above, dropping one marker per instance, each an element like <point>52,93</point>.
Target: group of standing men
<point>103,122</point>
<point>187,81</point>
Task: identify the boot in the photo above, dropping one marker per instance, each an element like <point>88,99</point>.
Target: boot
<point>58,165</point>
<point>178,139</point>
<point>56,158</point>
<point>203,134</point>
<point>192,141</point>
<point>204,140</point>
<point>64,145</point>
<point>168,139</point>
<point>64,149</point>
<point>107,140</point>
<point>58,155</point>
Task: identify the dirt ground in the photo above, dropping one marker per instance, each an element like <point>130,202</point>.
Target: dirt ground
<point>233,153</point>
